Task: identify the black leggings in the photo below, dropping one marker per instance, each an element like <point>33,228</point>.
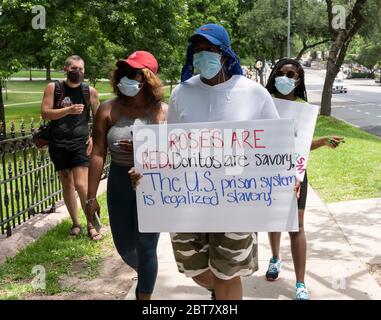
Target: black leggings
<point>137,249</point>
<point>303,193</point>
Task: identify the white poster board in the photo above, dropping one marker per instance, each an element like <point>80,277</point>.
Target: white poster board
<point>305,116</point>
<point>216,177</point>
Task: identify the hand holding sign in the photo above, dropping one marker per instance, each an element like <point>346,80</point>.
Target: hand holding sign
<point>135,177</point>
<point>125,144</point>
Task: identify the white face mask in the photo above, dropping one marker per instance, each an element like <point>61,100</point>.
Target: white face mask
<point>208,63</point>
<point>128,87</point>
<point>285,85</point>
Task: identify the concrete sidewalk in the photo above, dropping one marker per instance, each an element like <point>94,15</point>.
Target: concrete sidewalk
<point>341,239</point>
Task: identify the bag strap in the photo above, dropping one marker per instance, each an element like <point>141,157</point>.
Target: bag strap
<point>58,93</point>
<point>85,89</point>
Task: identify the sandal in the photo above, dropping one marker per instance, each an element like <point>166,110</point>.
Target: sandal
<point>75,231</point>
<point>95,236</point>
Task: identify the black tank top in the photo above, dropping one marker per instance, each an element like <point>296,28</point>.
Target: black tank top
<point>71,131</point>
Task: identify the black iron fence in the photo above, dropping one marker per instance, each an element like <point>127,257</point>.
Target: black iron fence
<point>28,183</point>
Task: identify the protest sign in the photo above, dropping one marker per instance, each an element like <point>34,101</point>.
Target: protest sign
<point>216,177</point>
<point>304,115</point>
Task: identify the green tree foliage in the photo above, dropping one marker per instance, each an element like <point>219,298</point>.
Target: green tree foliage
<point>157,26</point>
<point>366,46</point>
<point>264,27</point>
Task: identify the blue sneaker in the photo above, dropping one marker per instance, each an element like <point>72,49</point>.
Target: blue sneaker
<point>212,294</point>
<point>301,292</point>
<point>273,269</point>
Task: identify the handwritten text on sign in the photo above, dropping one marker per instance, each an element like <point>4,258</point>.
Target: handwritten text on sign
<point>215,177</point>
<point>304,115</point>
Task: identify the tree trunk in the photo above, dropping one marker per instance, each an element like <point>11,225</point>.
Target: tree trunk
<point>30,74</point>
<point>326,101</point>
<point>171,86</point>
<point>333,68</point>
<point>273,56</point>
<point>48,72</point>
<point>2,113</point>
<point>341,40</point>
<point>301,52</point>
<point>281,55</point>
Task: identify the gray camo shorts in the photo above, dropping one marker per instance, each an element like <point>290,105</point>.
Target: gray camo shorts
<point>227,255</point>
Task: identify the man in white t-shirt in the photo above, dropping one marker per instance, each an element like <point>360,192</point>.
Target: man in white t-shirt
<point>220,92</point>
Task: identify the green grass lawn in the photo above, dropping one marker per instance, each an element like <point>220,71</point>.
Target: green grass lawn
<point>26,112</point>
<point>36,86</point>
<point>39,86</point>
<point>37,74</point>
<point>352,171</point>
<point>57,253</point>
<point>18,98</point>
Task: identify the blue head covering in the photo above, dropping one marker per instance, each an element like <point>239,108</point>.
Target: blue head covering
<point>218,36</point>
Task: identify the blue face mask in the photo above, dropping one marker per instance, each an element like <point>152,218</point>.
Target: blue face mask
<point>208,63</point>
<point>128,87</point>
<point>284,85</point>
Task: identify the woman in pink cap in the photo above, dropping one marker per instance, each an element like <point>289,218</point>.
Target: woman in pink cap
<point>138,97</point>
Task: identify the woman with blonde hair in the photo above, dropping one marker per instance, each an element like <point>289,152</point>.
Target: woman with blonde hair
<point>139,97</point>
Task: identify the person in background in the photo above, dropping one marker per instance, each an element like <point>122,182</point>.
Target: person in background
<point>67,105</point>
<point>287,82</point>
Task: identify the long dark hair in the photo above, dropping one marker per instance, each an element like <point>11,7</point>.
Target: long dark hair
<point>300,90</point>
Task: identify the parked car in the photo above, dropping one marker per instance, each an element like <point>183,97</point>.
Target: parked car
<point>339,86</point>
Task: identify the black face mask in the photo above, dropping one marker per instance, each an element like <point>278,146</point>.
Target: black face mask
<point>75,76</point>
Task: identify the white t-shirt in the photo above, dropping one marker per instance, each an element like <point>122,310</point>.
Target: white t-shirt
<point>237,99</point>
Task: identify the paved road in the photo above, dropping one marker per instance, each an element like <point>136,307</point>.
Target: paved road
<point>361,106</point>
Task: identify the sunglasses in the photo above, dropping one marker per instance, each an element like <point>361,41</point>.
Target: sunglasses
<point>289,74</point>
<point>132,73</point>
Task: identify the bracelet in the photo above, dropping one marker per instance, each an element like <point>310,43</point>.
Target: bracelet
<point>88,201</point>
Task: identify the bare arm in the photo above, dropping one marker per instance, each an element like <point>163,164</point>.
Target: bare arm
<point>318,143</point>
<point>164,112</point>
<point>99,153</point>
<point>94,104</point>
<point>331,142</point>
<point>94,101</point>
<point>159,115</point>
<point>47,106</point>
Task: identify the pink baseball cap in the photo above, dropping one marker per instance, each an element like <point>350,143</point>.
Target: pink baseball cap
<point>140,60</point>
